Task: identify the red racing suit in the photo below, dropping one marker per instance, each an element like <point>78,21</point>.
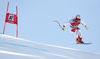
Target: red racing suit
<point>74,28</point>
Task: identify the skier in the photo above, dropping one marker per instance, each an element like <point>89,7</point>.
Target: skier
<point>74,27</point>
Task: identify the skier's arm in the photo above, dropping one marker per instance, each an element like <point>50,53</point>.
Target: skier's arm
<point>84,25</point>
<point>65,25</point>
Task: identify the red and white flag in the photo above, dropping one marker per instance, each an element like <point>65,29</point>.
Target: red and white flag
<point>11,18</point>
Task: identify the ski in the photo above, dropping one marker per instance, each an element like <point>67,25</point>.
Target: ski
<point>58,24</point>
<point>82,43</point>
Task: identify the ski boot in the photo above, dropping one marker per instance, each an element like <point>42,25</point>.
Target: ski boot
<point>79,40</point>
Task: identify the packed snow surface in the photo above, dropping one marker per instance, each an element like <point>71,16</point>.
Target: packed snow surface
<point>16,48</point>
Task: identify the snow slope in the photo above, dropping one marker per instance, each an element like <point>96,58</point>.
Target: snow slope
<point>16,48</point>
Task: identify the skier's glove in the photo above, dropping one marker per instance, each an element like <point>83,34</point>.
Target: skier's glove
<point>86,27</point>
<point>63,28</point>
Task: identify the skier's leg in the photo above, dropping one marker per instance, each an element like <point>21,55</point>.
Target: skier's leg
<point>78,33</point>
<point>78,36</point>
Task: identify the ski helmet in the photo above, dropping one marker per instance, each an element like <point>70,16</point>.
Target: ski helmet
<point>78,16</point>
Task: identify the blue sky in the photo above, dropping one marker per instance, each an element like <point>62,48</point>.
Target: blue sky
<point>35,21</point>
